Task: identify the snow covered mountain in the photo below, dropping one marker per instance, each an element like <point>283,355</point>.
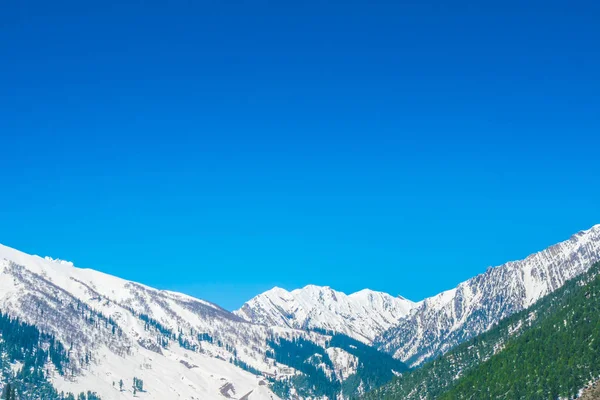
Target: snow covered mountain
<point>362,315</point>
<point>187,348</point>
<point>121,330</point>
<point>443,321</point>
<point>179,346</point>
<point>417,332</point>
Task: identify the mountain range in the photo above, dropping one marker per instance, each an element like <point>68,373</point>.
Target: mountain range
<point>550,350</point>
<point>417,332</point>
<point>362,315</point>
<point>307,343</point>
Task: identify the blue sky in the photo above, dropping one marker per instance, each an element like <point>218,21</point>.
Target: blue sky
<point>222,148</point>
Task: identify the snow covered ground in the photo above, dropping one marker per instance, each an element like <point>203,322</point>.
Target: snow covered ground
<point>51,294</point>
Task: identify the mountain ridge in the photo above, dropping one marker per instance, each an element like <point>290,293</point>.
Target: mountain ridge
<point>123,329</point>
<point>181,346</point>
<point>419,331</point>
<point>360,315</point>
<point>441,322</point>
<point>532,352</point>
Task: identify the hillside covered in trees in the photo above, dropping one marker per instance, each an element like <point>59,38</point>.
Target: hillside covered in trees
<point>26,358</point>
<point>549,350</point>
<point>371,369</point>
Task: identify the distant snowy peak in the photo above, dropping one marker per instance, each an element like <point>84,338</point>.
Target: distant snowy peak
<point>362,315</point>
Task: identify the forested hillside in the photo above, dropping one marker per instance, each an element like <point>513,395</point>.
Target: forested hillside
<point>548,350</point>
<point>556,357</point>
<point>369,368</point>
<point>26,358</point>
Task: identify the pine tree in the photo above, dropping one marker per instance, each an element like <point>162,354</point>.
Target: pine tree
<point>6,393</point>
<point>138,384</point>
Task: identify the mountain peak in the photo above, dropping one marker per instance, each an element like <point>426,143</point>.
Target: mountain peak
<point>375,293</point>
<point>448,318</point>
<point>595,228</point>
<point>118,329</point>
<point>313,289</point>
<point>278,291</point>
<point>361,315</point>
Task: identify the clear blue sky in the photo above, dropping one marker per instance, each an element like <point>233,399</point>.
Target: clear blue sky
<point>221,148</point>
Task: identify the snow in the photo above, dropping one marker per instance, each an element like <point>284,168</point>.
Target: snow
<point>31,284</point>
<point>164,377</point>
<point>16,366</point>
<point>260,393</point>
<point>40,290</point>
<point>416,332</point>
<point>445,320</point>
<point>361,315</point>
<point>344,363</point>
<point>58,261</point>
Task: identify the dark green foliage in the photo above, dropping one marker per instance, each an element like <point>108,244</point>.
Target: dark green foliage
<point>138,384</point>
<point>205,337</point>
<point>151,323</point>
<point>551,349</point>
<point>9,392</point>
<point>245,367</point>
<point>94,317</point>
<point>296,353</point>
<point>373,368</point>
<point>556,357</point>
<point>185,343</point>
<point>309,386</point>
<point>166,335</point>
<point>25,344</point>
<point>86,396</point>
<point>322,331</point>
<point>281,387</point>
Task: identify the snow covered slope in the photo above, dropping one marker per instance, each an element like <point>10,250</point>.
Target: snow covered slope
<point>178,345</point>
<point>443,321</point>
<point>416,332</point>
<point>362,315</point>
<point>186,348</point>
